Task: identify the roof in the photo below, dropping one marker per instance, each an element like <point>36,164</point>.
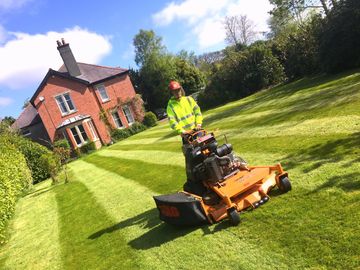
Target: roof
<point>90,74</point>
<point>73,119</point>
<point>95,73</point>
<point>29,116</point>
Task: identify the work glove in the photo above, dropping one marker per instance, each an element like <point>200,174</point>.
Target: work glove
<point>198,127</point>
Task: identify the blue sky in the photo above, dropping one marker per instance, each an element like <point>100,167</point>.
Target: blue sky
<point>101,32</point>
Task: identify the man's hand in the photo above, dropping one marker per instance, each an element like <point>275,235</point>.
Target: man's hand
<point>198,127</point>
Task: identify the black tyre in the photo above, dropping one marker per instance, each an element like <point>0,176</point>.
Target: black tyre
<point>284,184</point>
<point>234,216</point>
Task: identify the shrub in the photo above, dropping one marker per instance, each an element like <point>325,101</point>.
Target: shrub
<point>15,178</point>
<point>136,128</point>
<point>86,148</point>
<point>32,152</point>
<point>120,134</point>
<point>150,119</point>
<point>62,143</point>
<point>52,164</point>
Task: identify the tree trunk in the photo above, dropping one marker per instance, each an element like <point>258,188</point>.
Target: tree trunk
<point>325,7</point>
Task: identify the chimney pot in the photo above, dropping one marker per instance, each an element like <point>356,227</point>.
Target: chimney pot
<point>58,43</point>
<point>63,41</point>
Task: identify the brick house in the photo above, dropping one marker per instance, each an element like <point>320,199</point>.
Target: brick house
<point>83,102</point>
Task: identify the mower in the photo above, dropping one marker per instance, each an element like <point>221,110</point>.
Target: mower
<point>231,185</point>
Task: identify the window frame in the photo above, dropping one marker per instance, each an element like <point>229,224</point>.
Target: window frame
<point>79,135</point>
<point>99,88</point>
<point>126,116</point>
<point>116,125</point>
<point>67,107</point>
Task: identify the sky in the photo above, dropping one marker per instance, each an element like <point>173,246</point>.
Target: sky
<point>102,32</point>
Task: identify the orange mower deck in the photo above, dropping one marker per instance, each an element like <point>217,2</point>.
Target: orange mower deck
<point>231,186</point>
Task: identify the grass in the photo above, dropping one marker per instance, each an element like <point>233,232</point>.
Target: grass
<point>105,218</point>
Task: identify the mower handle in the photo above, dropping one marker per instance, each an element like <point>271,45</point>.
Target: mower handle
<point>190,135</point>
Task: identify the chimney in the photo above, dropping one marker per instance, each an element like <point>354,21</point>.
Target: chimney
<point>68,58</point>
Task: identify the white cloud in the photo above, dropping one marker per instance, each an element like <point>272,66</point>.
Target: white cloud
<point>5,101</point>
<point>26,58</point>
<point>205,18</point>
<point>12,4</point>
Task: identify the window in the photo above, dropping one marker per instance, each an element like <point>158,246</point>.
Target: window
<point>117,120</point>
<point>102,91</point>
<point>128,114</point>
<point>79,134</point>
<point>65,103</point>
<point>92,129</point>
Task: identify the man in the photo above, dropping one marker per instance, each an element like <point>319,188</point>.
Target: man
<point>183,112</point>
<point>184,115</point>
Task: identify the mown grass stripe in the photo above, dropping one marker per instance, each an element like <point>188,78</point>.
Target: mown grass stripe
<point>80,215</point>
<point>34,242</point>
<point>154,157</point>
<point>171,177</point>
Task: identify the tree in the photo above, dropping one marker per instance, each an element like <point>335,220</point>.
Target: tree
<point>239,30</point>
<point>146,43</point>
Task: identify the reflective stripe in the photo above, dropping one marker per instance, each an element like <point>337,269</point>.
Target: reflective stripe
<point>198,114</point>
<point>173,125</point>
<point>189,125</point>
<point>186,117</point>
<point>171,117</point>
<point>196,107</point>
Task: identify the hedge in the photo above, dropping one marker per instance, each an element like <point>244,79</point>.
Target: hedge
<point>120,134</point>
<point>150,119</point>
<point>33,152</point>
<point>15,179</point>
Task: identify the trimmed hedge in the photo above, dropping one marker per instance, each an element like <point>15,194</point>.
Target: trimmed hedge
<point>33,152</point>
<point>150,119</point>
<point>120,134</point>
<point>15,179</point>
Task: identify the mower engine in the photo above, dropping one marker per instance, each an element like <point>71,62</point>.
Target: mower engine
<point>213,163</point>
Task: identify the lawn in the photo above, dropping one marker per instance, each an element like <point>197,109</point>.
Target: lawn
<point>105,218</point>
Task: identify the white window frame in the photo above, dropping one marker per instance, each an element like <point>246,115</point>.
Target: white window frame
<point>62,96</point>
<point>116,125</point>
<point>79,134</point>
<point>127,107</point>
<point>92,129</point>
<point>101,88</point>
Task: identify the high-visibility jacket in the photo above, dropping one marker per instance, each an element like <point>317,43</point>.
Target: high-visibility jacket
<point>183,114</point>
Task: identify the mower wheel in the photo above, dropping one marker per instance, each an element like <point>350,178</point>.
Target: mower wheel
<point>284,184</point>
<point>234,216</point>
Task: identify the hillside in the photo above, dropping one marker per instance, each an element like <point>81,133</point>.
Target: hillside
<point>105,217</point>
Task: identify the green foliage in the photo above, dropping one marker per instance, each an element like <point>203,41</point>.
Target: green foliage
<point>146,44</point>
<point>120,134</point>
<point>242,73</point>
<point>339,38</point>
<point>157,68</point>
<point>15,178</point>
<point>52,163</point>
<point>136,128</point>
<point>150,119</point>
<point>88,147</point>
<point>62,143</point>
<point>32,152</point>
<point>297,48</point>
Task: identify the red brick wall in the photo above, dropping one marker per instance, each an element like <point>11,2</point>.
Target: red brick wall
<point>117,88</point>
<point>86,101</point>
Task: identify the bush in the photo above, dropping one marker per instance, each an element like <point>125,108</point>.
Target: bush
<point>32,152</point>
<point>150,119</point>
<point>120,134</point>
<point>62,143</point>
<point>52,163</point>
<point>15,178</point>
<point>85,149</point>
<point>136,128</point>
